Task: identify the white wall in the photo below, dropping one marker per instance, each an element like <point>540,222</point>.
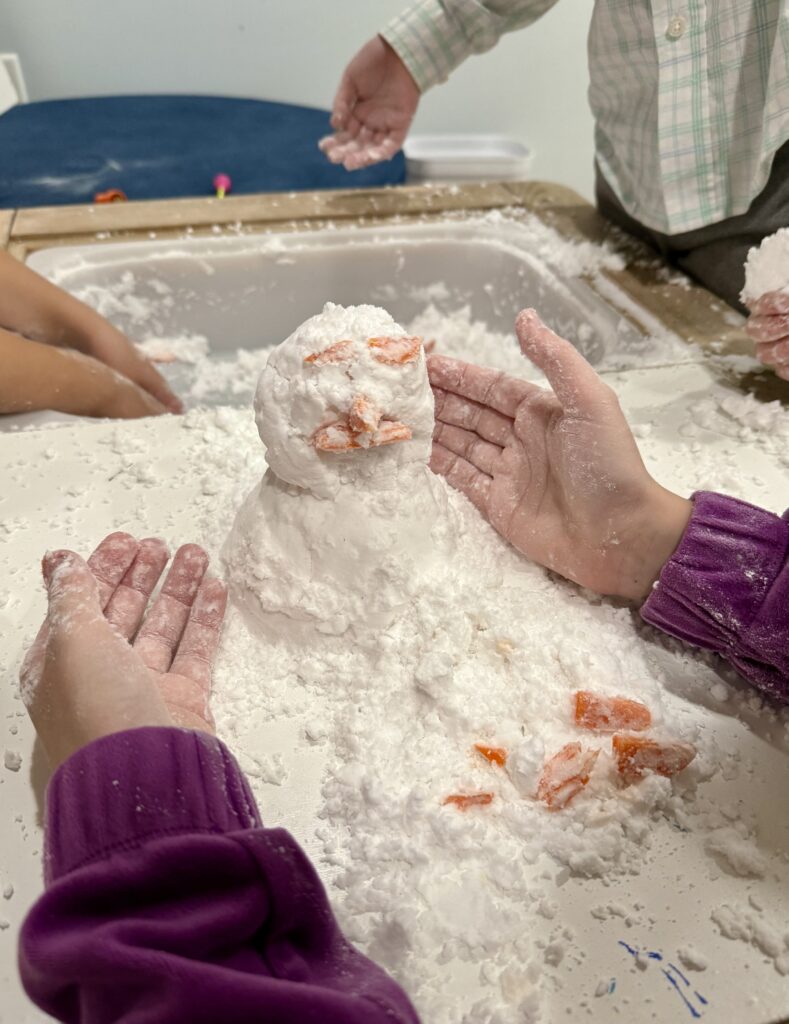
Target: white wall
<point>533,85</point>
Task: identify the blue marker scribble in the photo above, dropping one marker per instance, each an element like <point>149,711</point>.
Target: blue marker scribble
<point>673,981</point>
<point>673,975</point>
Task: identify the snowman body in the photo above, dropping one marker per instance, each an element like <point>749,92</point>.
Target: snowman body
<point>348,520</point>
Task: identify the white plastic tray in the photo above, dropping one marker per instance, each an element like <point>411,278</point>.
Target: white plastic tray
<point>465,158</point>
<point>147,478</point>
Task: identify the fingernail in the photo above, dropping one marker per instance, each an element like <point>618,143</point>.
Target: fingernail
<point>51,561</point>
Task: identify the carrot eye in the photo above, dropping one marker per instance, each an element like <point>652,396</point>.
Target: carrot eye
<point>339,352</point>
<point>395,351</point>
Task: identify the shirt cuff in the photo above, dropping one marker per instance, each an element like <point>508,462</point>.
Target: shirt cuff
<point>126,788</point>
<point>428,42</point>
<point>712,588</point>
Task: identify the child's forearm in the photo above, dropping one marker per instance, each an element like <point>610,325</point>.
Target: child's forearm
<point>34,376</point>
<point>32,306</point>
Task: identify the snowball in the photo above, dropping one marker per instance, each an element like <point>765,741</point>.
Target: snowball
<point>767,267</point>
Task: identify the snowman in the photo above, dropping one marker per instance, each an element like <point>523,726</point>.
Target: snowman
<point>348,521</point>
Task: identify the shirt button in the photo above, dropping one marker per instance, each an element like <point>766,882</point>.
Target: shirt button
<point>676,26</point>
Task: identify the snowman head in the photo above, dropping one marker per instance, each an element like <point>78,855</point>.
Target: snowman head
<point>345,400</point>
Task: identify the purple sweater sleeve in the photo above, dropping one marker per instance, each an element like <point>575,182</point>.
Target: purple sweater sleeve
<point>167,902</point>
<point>726,588</point>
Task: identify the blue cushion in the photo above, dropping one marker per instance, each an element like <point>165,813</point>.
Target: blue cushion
<point>163,147</point>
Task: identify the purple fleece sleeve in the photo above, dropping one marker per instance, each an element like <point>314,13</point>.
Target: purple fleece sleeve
<point>726,588</point>
<point>167,902</point>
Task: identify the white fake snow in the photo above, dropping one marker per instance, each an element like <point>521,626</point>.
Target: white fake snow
<point>767,267</point>
<point>489,649</point>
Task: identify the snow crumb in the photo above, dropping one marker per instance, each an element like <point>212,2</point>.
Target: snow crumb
<point>12,760</point>
<point>266,768</point>
<point>691,959</point>
<point>767,267</point>
<point>736,853</point>
<point>738,923</point>
<point>186,348</point>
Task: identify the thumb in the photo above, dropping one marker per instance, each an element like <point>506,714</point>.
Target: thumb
<point>73,598</point>
<point>573,380</point>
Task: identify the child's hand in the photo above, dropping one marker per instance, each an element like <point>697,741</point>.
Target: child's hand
<point>373,108</point>
<point>114,349</point>
<point>118,398</point>
<point>768,326</point>
<point>556,472</point>
<point>101,663</point>
<point>33,308</point>
<point>36,376</point>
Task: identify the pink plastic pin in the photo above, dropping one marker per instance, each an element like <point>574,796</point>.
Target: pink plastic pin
<point>222,184</point>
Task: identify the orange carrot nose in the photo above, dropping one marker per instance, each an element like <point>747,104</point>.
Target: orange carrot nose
<point>364,416</point>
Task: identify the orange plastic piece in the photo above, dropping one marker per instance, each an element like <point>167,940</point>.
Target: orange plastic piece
<point>637,754</point>
<point>565,775</point>
<point>496,755</point>
<point>339,352</point>
<point>465,800</point>
<point>112,195</point>
<point>609,714</point>
<point>364,416</point>
<point>395,351</point>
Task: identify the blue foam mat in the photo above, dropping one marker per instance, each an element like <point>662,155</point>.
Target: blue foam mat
<point>162,147</point>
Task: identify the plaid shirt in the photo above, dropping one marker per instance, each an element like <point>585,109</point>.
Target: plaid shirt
<point>690,99</point>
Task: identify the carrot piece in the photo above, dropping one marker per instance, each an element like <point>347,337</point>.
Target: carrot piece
<point>565,775</point>
<point>335,437</point>
<point>636,755</point>
<point>339,352</point>
<point>496,755</point>
<point>389,432</point>
<point>364,416</point>
<point>395,351</point>
<point>341,437</point>
<point>609,714</point>
<point>465,800</point>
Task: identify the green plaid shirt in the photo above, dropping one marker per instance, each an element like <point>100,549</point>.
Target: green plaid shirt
<point>690,99</point>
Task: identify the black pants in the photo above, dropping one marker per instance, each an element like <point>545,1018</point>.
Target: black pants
<point>715,254</point>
